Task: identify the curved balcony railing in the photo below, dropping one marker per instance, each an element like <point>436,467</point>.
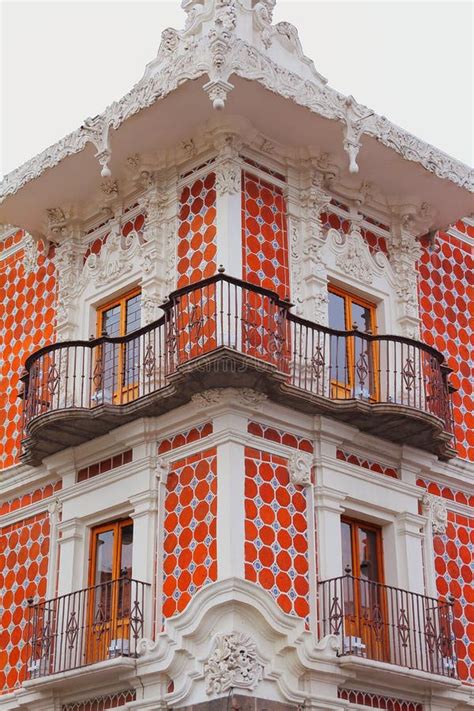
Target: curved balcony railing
<point>388,624</point>
<point>226,314</point>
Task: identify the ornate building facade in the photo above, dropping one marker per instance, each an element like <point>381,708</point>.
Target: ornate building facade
<point>237,445</point>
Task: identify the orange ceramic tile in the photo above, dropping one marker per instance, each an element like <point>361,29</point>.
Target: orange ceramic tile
<point>274,435</point>
<point>190,547</point>
<point>264,235</point>
<point>446,297</point>
<point>24,552</point>
<point>28,323</point>
<point>377,701</point>
<point>182,438</point>
<point>197,231</point>
<point>276,539</point>
<point>102,703</point>
<point>367,464</point>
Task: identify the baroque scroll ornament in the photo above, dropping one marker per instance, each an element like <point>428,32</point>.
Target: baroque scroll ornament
<point>300,466</point>
<point>437,512</point>
<point>233,664</point>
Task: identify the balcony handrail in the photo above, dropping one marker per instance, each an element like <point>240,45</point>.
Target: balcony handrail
<point>388,624</point>
<point>434,600</point>
<point>273,295</point>
<point>222,314</point>
<point>124,579</point>
<point>86,626</point>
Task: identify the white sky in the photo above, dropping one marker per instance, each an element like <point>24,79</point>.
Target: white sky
<point>62,61</point>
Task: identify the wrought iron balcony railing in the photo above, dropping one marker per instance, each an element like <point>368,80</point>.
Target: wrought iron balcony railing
<point>84,627</point>
<point>342,373</point>
<point>387,624</point>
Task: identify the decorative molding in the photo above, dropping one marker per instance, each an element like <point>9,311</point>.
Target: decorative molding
<point>435,508</point>
<point>217,396</point>
<point>186,55</point>
<point>300,465</point>
<point>355,259</point>
<point>115,258</point>
<point>233,664</point>
<point>30,253</point>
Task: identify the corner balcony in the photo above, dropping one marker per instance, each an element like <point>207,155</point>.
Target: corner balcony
<point>389,625</point>
<point>224,332</point>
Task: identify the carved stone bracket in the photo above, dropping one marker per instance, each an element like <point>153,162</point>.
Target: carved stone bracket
<point>217,91</point>
<point>30,253</point>
<point>435,509</point>
<point>233,664</point>
<point>300,465</point>
<point>355,118</point>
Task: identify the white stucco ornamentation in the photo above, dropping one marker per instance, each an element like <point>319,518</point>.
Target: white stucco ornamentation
<point>213,45</point>
<point>30,253</point>
<point>435,508</point>
<point>355,260</point>
<point>233,664</point>
<point>115,258</point>
<point>300,466</point>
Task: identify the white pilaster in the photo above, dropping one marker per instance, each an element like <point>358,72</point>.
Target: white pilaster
<point>229,207</point>
<point>71,545</point>
<point>409,555</point>
<point>230,498</point>
<point>329,506</point>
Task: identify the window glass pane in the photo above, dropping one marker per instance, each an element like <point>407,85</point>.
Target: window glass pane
<point>368,555</point>
<point>111,321</point>
<point>132,320</point>
<point>338,346</point>
<point>337,317</point>
<point>362,316</point>
<point>103,575</point>
<point>346,547</point>
<point>125,572</point>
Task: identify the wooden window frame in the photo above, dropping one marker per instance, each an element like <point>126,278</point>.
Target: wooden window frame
<point>119,300</point>
<point>349,299</point>
<point>100,633</point>
<point>115,526</point>
<point>355,524</point>
<point>123,393</point>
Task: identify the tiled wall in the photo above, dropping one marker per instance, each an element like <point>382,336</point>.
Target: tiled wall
<point>446,310</point>
<point>197,231</point>
<point>264,235</point>
<point>27,322</point>
<point>24,554</point>
<point>190,547</point>
<point>454,565</point>
<point>276,532</point>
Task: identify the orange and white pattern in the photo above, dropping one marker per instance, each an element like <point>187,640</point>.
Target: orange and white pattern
<point>24,554</point>
<point>264,235</point>
<point>454,556</point>
<point>446,299</point>
<point>190,547</point>
<point>276,532</point>
<point>27,322</point>
<point>197,231</point>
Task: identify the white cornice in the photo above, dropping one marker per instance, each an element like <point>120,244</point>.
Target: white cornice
<point>194,53</point>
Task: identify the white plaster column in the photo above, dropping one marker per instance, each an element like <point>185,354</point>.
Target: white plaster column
<point>329,507</point>
<point>229,206</point>
<point>230,496</point>
<point>314,201</point>
<point>71,540</point>
<point>436,520</point>
<point>54,512</point>
<point>145,524</point>
<point>409,552</point>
